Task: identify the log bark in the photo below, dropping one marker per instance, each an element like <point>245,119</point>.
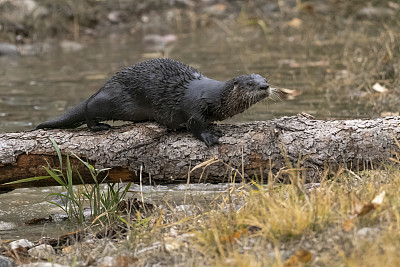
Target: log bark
<point>162,156</point>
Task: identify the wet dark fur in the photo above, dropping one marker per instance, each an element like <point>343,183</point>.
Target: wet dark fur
<point>169,92</point>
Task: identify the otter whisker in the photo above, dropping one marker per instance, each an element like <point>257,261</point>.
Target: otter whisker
<point>274,94</point>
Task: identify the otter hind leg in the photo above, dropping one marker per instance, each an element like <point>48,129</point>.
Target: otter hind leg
<point>96,126</point>
<point>99,108</point>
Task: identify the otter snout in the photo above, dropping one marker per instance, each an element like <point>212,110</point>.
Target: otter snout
<point>264,87</point>
<point>260,82</point>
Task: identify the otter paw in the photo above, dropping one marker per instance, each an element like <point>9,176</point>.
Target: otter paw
<point>216,132</point>
<point>99,127</point>
<point>209,139</point>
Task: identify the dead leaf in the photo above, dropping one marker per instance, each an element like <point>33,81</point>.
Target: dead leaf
<point>379,88</point>
<point>68,250</point>
<point>290,94</point>
<point>389,114</point>
<point>295,23</point>
<point>319,63</point>
<point>96,77</point>
<point>152,55</point>
<point>394,5</point>
<point>126,260</point>
<point>378,200</point>
<point>362,209</point>
<point>301,256</point>
<point>231,238</point>
<point>349,224</point>
<point>290,91</point>
<point>304,255</point>
<point>37,221</point>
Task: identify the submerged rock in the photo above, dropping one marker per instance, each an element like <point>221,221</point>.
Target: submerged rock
<point>6,262</point>
<point>375,12</point>
<point>42,251</point>
<point>114,16</point>
<point>21,243</point>
<point>7,226</point>
<point>70,46</point>
<point>155,42</point>
<point>35,49</point>
<point>8,50</point>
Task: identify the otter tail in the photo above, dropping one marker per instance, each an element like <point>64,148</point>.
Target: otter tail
<point>73,118</point>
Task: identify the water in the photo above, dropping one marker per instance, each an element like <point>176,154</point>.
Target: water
<point>21,205</point>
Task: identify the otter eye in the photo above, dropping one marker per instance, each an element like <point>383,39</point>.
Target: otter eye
<point>250,83</point>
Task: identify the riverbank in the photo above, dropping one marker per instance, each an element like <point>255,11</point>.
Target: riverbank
<point>352,218</point>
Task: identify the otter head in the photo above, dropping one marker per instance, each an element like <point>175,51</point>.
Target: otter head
<point>240,93</point>
<point>252,87</point>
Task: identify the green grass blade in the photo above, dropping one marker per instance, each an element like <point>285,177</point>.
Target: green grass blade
<point>31,179</point>
<point>57,150</point>
<point>55,176</point>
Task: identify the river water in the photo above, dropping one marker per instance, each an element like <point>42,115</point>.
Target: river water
<point>37,88</point>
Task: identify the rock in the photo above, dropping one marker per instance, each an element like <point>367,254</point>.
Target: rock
<point>107,261</point>
<point>155,42</point>
<point>375,12</point>
<point>114,16</point>
<point>171,244</point>
<point>21,243</point>
<point>155,246</point>
<point>312,186</point>
<point>34,49</point>
<point>8,50</point>
<point>7,226</point>
<point>16,11</point>
<point>215,10</point>
<point>6,262</point>
<point>42,264</point>
<point>367,231</point>
<point>70,46</point>
<point>186,208</point>
<point>42,252</point>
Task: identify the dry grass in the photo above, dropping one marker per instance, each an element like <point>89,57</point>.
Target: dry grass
<point>335,223</point>
<point>266,226</point>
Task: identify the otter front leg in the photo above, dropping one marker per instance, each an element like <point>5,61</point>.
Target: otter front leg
<point>202,131</point>
<point>213,130</point>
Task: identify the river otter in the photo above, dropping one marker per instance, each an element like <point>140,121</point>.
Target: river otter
<point>169,92</point>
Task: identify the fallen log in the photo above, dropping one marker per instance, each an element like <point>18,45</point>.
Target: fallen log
<point>161,156</point>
